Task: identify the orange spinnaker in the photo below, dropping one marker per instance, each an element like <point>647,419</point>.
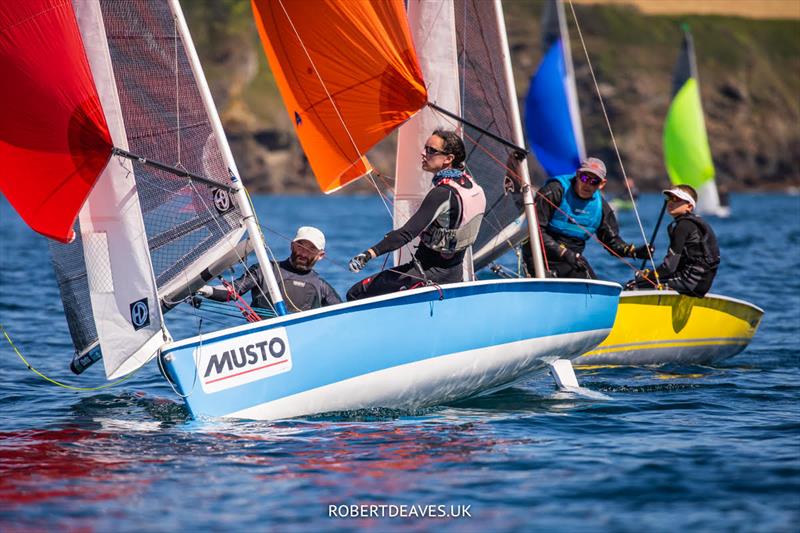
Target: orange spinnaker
<point>54,141</point>
<point>348,75</point>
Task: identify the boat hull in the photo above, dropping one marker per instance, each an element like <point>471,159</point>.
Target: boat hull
<point>660,327</point>
<point>406,350</point>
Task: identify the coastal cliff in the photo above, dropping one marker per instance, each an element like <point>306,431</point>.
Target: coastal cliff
<point>749,81</point>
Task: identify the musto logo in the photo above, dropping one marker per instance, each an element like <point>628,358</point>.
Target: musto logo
<point>233,362</point>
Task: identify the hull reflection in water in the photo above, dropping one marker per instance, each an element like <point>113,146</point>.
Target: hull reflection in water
<point>405,350</point>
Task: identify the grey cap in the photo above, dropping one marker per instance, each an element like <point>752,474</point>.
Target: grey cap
<point>593,166</point>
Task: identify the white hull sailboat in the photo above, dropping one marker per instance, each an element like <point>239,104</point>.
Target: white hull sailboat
<point>161,211</point>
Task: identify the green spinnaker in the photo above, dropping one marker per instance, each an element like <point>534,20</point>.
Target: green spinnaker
<point>687,154</point>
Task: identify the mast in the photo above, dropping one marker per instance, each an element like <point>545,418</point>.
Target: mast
<point>240,193</point>
<point>530,212</point>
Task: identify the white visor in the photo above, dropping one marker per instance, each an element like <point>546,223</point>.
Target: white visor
<point>679,193</point>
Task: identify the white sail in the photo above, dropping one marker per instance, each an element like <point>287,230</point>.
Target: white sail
<point>122,287</point>
<point>433,30</point>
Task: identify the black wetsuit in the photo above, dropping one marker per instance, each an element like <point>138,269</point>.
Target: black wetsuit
<point>692,259</point>
<point>301,290</point>
<point>607,232</point>
<point>440,205</point>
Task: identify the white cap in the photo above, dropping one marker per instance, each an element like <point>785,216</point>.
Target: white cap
<point>311,234</point>
<point>680,193</point>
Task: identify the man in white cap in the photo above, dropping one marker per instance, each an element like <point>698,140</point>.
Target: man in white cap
<point>693,256</point>
<point>570,209</point>
<point>302,288</point>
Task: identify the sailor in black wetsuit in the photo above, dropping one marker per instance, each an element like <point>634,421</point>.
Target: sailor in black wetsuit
<point>447,223</point>
<point>302,288</point>
<point>570,209</point>
<point>693,256</point>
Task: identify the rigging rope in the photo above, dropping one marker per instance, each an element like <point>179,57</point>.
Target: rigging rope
<point>59,383</point>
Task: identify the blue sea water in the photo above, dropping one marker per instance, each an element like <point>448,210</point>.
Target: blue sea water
<point>675,448</point>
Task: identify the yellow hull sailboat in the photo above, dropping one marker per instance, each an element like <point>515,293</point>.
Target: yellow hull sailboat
<point>658,327</point>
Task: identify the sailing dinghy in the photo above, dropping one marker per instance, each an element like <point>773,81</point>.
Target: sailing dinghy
<point>658,327</point>
<point>120,133</point>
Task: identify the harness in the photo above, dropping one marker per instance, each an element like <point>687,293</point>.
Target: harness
<point>472,203</point>
<point>575,213</point>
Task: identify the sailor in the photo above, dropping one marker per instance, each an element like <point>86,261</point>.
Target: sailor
<point>693,256</point>
<point>447,223</point>
<point>570,209</point>
<point>302,288</point>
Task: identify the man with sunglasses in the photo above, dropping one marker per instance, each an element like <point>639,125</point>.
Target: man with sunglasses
<point>447,223</point>
<point>570,210</point>
<point>693,257</point>
<point>302,288</point>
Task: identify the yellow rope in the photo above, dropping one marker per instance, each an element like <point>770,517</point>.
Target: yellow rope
<point>55,382</point>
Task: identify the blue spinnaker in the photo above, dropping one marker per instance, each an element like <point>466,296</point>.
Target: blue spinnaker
<point>547,116</point>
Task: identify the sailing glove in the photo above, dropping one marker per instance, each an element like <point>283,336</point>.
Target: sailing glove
<point>574,259</point>
<point>641,252</point>
<point>360,261</point>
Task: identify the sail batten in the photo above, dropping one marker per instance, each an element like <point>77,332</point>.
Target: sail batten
<point>348,75</point>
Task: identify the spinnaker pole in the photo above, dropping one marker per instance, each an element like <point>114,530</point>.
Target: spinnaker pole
<point>249,217</point>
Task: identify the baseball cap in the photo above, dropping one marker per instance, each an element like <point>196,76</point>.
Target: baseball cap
<point>595,166</point>
<point>311,234</point>
<point>680,193</point>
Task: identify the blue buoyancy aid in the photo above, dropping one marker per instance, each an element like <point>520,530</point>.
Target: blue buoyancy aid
<point>575,213</point>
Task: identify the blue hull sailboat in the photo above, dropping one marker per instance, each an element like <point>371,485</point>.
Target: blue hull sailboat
<point>169,213</point>
<point>407,350</point>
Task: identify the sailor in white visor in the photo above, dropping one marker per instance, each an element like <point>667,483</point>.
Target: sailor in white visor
<point>693,256</point>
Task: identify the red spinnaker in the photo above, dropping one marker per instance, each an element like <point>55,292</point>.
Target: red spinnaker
<point>54,141</point>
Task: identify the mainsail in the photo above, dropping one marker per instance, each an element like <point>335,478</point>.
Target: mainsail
<point>687,154</point>
<point>552,116</point>
<point>147,237</point>
<point>489,100</point>
<point>340,109</point>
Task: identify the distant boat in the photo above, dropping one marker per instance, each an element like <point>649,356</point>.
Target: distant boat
<point>687,154</point>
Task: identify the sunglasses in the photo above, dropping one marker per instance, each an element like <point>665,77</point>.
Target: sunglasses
<point>430,151</point>
<point>591,179</point>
